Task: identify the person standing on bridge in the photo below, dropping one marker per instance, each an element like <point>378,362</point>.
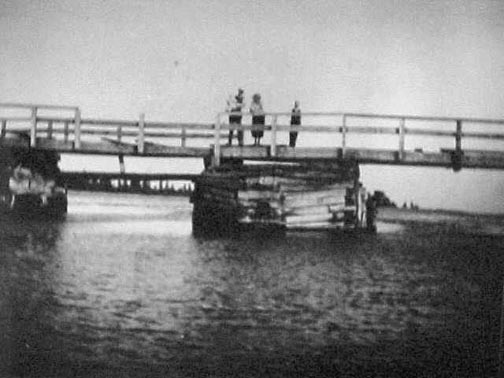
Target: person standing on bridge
<point>295,121</point>
<point>258,116</point>
<point>235,105</point>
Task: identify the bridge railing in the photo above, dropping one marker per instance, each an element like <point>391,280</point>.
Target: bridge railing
<point>359,130</point>
<point>68,130</point>
<point>321,135</point>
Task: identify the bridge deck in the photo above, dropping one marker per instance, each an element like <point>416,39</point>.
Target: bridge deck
<point>366,138</point>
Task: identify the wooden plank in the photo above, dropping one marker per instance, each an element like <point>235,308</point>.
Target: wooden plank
<point>331,203</point>
<point>427,132</point>
<point>154,149</point>
<point>290,204</point>
<point>314,186</point>
<point>320,209</point>
<point>41,106</point>
<point>424,158</point>
<point>316,226</point>
<point>54,144</point>
<point>483,159</point>
<point>371,130</point>
<point>253,195</point>
<point>424,118</point>
<point>284,152</point>
<point>118,143</point>
<point>361,154</point>
<point>308,218</point>
<point>134,133</point>
<point>248,152</point>
<point>315,195</point>
<point>477,135</point>
<point>110,147</point>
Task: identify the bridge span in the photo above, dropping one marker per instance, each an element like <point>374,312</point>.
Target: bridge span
<point>456,142</point>
<point>318,188</point>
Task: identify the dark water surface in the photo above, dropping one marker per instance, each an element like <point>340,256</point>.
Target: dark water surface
<point>121,288</point>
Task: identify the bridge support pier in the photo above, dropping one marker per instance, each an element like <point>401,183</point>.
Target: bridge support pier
<point>30,183</point>
<point>303,196</point>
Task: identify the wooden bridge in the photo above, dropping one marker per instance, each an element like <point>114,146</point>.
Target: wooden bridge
<point>364,138</point>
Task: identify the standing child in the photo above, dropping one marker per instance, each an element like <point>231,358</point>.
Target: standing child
<point>257,111</point>
<point>235,106</point>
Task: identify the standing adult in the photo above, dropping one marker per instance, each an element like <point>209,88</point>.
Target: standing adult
<point>295,121</point>
<point>235,106</point>
<point>258,116</point>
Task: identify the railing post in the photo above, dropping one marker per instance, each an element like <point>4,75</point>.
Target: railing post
<point>49,129</point>
<point>343,133</point>
<point>122,169</point>
<point>119,133</point>
<point>77,131</point>
<point>273,136</point>
<point>183,138</point>
<point>65,132</point>
<point>33,129</point>
<point>4,128</point>
<point>401,138</point>
<point>458,137</point>
<point>217,149</point>
<point>141,136</point>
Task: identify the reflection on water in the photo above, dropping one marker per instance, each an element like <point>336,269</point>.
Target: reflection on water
<point>122,288</point>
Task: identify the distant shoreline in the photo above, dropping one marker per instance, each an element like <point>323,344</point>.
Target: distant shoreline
<point>446,220</point>
<point>386,213</point>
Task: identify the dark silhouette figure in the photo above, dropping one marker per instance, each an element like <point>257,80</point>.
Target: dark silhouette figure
<point>235,105</point>
<point>295,121</point>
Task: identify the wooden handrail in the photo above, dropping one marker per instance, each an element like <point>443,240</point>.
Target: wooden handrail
<point>40,106</point>
<point>132,136</point>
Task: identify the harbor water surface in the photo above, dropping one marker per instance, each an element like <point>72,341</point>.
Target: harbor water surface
<point>122,288</point>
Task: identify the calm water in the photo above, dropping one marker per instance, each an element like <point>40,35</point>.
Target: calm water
<point>121,288</point>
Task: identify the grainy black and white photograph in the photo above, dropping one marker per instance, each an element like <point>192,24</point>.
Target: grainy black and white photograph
<point>251,188</point>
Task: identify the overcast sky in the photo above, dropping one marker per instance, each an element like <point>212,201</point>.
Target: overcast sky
<point>179,60</point>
